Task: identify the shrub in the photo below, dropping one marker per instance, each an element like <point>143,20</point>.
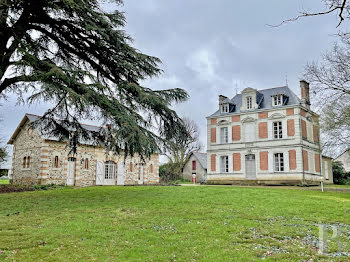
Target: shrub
<point>340,177</point>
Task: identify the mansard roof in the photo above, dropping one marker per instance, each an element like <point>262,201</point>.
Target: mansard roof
<point>264,99</point>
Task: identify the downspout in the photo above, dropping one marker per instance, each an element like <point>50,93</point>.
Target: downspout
<point>302,153</point>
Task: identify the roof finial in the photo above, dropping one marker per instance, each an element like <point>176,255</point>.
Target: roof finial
<point>286,79</point>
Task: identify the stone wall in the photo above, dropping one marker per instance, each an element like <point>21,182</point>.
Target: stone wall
<point>27,144</point>
<point>43,170</point>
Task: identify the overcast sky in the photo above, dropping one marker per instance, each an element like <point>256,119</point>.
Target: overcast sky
<point>216,47</point>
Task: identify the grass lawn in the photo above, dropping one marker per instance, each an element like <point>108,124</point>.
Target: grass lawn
<point>170,224</point>
<point>338,186</point>
<point>4,181</point>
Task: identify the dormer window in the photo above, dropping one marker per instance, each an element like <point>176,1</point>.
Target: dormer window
<point>225,108</point>
<point>249,102</point>
<point>277,100</point>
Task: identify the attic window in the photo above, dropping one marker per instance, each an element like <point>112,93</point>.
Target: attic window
<point>277,100</point>
<point>225,108</point>
<point>249,102</point>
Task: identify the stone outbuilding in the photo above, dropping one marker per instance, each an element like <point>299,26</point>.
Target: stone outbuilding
<point>196,165</point>
<point>38,159</point>
<point>345,159</point>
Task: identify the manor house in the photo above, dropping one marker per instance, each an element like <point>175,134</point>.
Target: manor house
<point>267,136</point>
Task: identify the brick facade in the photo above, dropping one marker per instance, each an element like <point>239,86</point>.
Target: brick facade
<point>213,162</point>
<point>236,118</point>
<point>264,164</point>
<point>306,160</point>
<point>292,159</point>
<point>263,130</point>
<point>213,135</point>
<point>290,127</point>
<point>236,161</point>
<point>303,129</point>
<point>236,133</point>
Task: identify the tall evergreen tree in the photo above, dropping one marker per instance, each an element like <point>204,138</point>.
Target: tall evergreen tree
<point>76,55</point>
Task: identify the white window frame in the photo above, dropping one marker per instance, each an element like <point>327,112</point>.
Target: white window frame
<point>249,102</point>
<point>279,163</point>
<point>277,100</point>
<point>110,168</point>
<point>225,108</point>
<point>224,164</point>
<point>224,135</point>
<point>277,128</point>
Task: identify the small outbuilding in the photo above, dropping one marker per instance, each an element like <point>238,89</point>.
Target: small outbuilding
<point>39,159</point>
<point>345,159</point>
<point>196,166</point>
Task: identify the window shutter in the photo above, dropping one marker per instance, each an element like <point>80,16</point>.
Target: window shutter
<point>213,135</point>
<point>213,162</point>
<point>236,161</point>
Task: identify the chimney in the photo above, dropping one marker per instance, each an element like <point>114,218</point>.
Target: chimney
<point>305,92</point>
<point>221,98</point>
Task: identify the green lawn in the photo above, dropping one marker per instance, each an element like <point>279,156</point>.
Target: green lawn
<point>4,181</point>
<point>169,224</point>
<point>338,186</point>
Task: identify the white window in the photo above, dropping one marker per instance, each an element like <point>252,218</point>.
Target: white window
<point>225,108</point>
<point>110,168</point>
<point>249,102</point>
<point>277,130</point>
<point>224,164</point>
<point>279,162</point>
<point>224,135</point>
<point>277,100</point>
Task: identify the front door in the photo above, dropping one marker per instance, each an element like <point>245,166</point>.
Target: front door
<point>120,175</point>
<point>110,169</point>
<point>140,179</point>
<point>250,167</point>
<point>71,171</point>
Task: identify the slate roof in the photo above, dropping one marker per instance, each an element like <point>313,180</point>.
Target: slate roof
<point>264,99</point>
<point>32,118</point>
<point>202,158</point>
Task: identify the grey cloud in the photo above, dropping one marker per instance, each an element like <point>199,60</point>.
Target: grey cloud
<point>213,47</point>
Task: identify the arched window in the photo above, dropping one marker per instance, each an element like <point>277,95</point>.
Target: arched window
<point>24,162</point>
<point>110,168</point>
<point>151,168</point>
<point>28,161</point>
<point>56,162</point>
<point>86,163</point>
<point>130,167</point>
